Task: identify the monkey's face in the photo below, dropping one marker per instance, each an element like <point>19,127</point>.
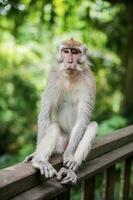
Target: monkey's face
<point>71,55</point>
<point>71,58</point>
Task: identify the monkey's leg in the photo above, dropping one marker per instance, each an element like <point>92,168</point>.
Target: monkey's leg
<point>84,146</point>
<point>45,149</point>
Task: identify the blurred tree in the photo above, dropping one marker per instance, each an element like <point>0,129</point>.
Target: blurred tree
<point>125,38</point>
<point>128,61</point>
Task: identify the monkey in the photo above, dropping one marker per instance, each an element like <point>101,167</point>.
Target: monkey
<point>64,121</point>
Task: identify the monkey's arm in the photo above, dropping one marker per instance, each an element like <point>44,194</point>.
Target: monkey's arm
<point>48,131</point>
<point>44,116</point>
<point>49,98</point>
<point>43,122</point>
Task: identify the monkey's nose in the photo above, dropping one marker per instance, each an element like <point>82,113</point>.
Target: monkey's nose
<point>70,61</point>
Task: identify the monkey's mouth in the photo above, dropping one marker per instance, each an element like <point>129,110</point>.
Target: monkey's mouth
<point>69,69</point>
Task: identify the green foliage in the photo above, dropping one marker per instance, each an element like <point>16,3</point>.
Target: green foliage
<point>114,123</point>
<point>29,32</point>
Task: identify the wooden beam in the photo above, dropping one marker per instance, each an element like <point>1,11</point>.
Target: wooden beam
<point>46,190</point>
<point>21,177</point>
<point>90,168</point>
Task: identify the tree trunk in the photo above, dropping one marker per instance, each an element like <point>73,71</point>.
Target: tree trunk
<point>128,97</point>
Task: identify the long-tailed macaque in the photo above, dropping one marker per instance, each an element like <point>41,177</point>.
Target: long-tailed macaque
<point>67,103</point>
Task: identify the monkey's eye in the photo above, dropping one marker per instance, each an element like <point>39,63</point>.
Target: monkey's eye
<point>75,52</point>
<point>66,51</point>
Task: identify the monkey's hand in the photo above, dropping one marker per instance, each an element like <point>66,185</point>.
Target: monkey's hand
<point>69,162</point>
<point>29,157</point>
<point>45,167</point>
<point>66,176</point>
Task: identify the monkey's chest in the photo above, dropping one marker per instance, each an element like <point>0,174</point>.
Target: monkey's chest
<point>67,113</point>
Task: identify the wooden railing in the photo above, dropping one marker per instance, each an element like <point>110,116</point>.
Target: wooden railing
<point>22,182</point>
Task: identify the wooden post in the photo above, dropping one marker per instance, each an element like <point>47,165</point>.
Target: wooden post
<point>110,183</point>
<point>126,178</point>
<point>65,195</point>
<point>88,189</point>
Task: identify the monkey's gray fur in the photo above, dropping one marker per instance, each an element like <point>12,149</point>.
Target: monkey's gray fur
<point>64,124</point>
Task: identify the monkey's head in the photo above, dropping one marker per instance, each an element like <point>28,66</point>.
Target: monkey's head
<point>71,55</point>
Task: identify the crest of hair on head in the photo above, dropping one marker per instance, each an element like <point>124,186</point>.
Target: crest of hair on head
<point>72,42</point>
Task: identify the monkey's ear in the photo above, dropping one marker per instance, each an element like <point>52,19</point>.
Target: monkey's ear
<point>58,55</point>
<point>58,47</point>
<point>85,49</point>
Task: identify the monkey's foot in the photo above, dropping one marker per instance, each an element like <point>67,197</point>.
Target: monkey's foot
<point>70,163</point>
<point>66,176</point>
<point>45,168</point>
<point>29,157</point>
